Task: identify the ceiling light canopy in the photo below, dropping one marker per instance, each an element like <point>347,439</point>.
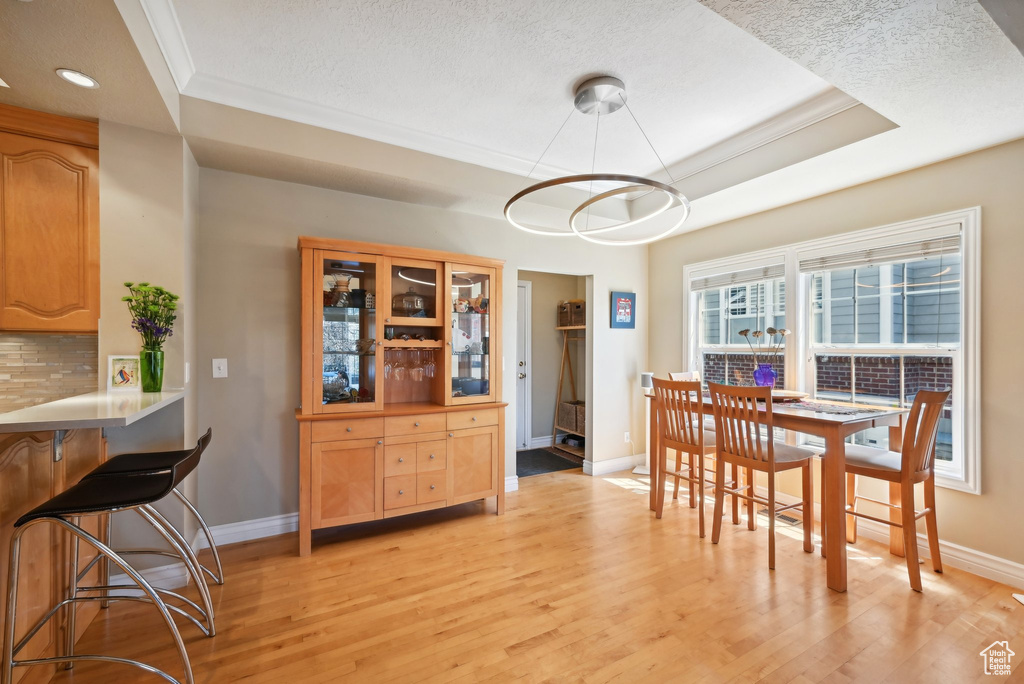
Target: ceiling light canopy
<point>78,78</point>
<point>603,96</point>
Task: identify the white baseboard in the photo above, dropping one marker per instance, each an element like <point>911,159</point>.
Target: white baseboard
<point>973,561</point>
<point>541,442</point>
<point>612,465</point>
<point>247,530</point>
<point>164,576</point>
<point>511,483</point>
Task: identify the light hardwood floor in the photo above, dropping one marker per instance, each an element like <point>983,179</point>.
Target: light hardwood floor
<point>576,582</point>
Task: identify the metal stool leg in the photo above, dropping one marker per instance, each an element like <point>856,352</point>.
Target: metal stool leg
<point>219,577</point>
<point>69,636</point>
<point>188,558</point>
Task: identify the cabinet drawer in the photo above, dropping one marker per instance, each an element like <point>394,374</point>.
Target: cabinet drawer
<point>400,459</point>
<point>414,424</point>
<point>431,455</point>
<point>459,420</point>
<point>357,428</point>
<point>431,486</point>
<point>399,491</point>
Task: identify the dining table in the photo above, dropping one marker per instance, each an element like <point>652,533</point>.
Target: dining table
<point>833,421</point>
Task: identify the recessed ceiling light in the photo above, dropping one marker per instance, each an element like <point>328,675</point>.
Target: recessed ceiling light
<point>78,78</point>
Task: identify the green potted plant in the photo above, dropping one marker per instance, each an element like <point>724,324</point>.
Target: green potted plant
<point>153,312</point>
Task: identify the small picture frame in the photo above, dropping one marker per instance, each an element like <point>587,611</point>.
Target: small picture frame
<point>623,310</point>
<point>124,373</point>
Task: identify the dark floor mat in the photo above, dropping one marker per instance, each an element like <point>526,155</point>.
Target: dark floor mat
<point>539,461</point>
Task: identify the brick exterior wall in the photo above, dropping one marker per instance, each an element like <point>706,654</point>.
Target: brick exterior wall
<point>737,369</point>
<point>35,369</point>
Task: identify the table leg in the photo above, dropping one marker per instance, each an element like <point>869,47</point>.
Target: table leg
<point>833,487</point>
<point>653,449</point>
<point>895,533</point>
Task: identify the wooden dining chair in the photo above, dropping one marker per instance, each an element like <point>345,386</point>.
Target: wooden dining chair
<point>710,474</point>
<point>681,428</point>
<point>914,463</point>
<point>745,438</point>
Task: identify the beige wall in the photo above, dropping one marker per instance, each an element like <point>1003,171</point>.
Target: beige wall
<point>548,290</point>
<point>990,178</point>
<point>146,182</point>
<point>249,313</point>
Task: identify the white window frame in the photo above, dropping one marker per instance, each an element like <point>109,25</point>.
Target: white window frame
<point>799,353</point>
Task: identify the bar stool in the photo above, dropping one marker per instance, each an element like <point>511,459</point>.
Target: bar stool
<point>95,497</point>
<point>155,461</point>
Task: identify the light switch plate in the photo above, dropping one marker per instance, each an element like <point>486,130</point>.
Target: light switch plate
<point>188,374</point>
<point>220,368</point>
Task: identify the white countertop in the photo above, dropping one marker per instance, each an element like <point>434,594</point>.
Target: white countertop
<point>93,410</point>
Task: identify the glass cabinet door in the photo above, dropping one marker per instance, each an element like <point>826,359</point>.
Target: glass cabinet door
<point>414,296</point>
<point>471,343</point>
<point>345,308</point>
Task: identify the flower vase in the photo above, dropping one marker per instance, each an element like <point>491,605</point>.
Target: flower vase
<point>764,375</point>
<point>152,363</point>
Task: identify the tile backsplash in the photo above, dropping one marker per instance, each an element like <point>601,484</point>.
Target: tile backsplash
<point>35,369</point>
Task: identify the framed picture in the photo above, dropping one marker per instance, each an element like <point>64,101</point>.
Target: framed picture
<point>623,309</point>
<point>123,373</point>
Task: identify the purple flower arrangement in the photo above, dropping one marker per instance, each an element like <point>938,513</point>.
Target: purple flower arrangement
<point>153,313</point>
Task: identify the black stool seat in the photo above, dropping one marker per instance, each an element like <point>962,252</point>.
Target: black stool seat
<point>151,461</point>
<point>104,494</point>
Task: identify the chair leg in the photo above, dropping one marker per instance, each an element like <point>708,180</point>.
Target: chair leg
<point>735,499</point>
<point>932,523</point>
<point>679,465</point>
<point>808,506</point>
<point>659,505</point>
<point>188,558</point>
<point>910,535</point>
<point>771,521</point>
<point>851,500</point>
<point>700,495</point>
<point>748,486</point>
<point>219,577</point>
<point>716,524</point>
<point>693,481</point>
<point>69,633</point>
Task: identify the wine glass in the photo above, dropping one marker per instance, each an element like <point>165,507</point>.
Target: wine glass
<point>388,356</point>
<point>401,368</point>
<point>416,372</point>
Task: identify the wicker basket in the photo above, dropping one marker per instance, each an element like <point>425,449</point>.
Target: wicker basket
<point>581,418</point>
<point>578,313</point>
<point>567,415</point>
<point>564,315</point>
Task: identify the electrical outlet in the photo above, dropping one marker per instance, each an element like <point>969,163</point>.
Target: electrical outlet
<point>220,368</point>
<point>626,438</point>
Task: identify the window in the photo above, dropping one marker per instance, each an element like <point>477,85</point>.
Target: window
<point>879,314</point>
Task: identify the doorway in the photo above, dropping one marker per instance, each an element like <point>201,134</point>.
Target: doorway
<point>539,358</point>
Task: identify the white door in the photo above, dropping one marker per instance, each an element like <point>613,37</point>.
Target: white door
<point>524,404</point>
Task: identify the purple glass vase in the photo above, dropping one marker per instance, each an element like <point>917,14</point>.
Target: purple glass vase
<point>765,375</point>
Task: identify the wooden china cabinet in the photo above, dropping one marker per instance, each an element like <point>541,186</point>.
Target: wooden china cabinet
<point>401,380</point>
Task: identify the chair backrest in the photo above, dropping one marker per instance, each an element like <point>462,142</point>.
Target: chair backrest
<point>685,376</point>
<point>739,422</point>
<point>680,412</point>
<point>186,465</point>
<point>921,430</point>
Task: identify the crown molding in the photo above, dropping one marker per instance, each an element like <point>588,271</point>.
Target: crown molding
<point>805,114</point>
<point>261,101</point>
<point>164,22</point>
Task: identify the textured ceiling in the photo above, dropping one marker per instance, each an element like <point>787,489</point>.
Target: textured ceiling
<point>498,75</point>
<point>940,69</point>
<point>38,37</point>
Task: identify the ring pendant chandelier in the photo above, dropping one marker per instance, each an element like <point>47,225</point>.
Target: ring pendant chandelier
<point>599,97</point>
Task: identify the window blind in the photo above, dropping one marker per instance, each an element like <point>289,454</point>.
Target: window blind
<point>743,277</point>
<point>880,254</point>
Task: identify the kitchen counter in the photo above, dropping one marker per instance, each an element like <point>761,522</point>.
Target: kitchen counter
<point>94,410</point>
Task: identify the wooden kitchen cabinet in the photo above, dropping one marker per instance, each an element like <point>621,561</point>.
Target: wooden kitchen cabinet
<point>29,475</point>
<point>391,426</point>
<point>49,199</point>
